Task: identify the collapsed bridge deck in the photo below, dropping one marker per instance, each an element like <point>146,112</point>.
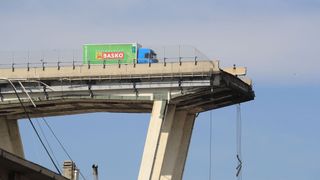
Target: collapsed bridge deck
<point>195,87</point>
<point>173,92</point>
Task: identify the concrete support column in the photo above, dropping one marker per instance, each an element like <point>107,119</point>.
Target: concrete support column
<point>163,141</point>
<point>168,140</point>
<point>177,172</point>
<point>10,139</point>
<point>177,146</point>
<point>151,144</point>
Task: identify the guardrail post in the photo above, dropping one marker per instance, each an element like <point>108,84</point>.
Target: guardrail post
<point>43,67</point>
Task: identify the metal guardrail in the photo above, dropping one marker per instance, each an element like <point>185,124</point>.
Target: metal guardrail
<point>40,64</point>
<point>73,57</point>
<point>74,63</point>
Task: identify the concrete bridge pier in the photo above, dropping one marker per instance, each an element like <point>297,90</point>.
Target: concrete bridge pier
<point>167,143</point>
<point>10,139</point>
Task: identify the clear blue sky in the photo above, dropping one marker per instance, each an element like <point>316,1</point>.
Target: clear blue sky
<point>278,40</point>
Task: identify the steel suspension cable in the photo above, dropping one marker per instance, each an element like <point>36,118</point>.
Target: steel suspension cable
<point>55,136</point>
<point>210,147</point>
<point>238,141</point>
<point>33,126</point>
<point>61,145</point>
<point>46,140</point>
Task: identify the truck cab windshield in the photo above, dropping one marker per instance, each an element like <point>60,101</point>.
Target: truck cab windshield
<point>151,55</point>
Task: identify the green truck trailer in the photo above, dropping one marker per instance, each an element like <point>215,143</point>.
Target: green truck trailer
<point>123,53</point>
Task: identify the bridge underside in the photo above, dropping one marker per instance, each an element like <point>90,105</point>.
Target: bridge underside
<point>194,94</point>
<point>172,93</point>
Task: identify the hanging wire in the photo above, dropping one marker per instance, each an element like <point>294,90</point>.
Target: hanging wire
<point>53,159</point>
<point>210,147</point>
<point>55,136</point>
<point>238,139</point>
<point>45,138</point>
<point>33,126</point>
<point>61,145</point>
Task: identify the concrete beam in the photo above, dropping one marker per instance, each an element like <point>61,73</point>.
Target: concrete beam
<point>236,71</point>
<point>10,139</point>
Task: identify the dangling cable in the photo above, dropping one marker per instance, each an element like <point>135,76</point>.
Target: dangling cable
<point>34,128</point>
<point>46,140</point>
<point>210,148</point>
<point>238,139</point>
<point>38,135</point>
<point>61,145</point>
<point>52,132</point>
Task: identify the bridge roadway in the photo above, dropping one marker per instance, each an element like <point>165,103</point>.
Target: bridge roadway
<point>174,93</point>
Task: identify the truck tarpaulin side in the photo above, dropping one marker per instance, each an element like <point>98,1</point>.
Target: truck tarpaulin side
<point>125,53</point>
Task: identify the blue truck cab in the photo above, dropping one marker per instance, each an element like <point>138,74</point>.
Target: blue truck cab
<point>146,55</point>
